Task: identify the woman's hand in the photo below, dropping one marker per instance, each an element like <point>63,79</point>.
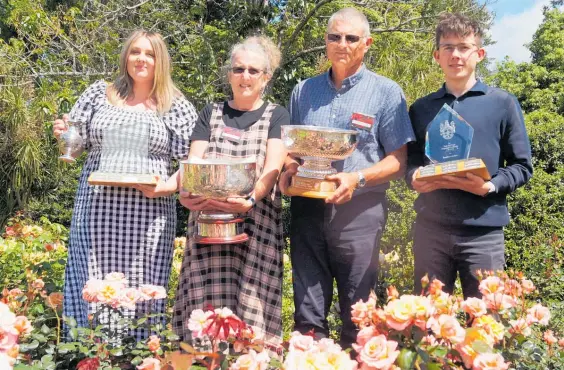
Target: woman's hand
<point>60,125</point>
<point>194,202</point>
<point>232,205</point>
<point>162,189</point>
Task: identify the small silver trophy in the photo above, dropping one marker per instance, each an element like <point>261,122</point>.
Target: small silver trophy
<point>70,144</point>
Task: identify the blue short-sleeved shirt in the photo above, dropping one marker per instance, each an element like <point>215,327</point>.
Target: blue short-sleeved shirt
<point>317,102</point>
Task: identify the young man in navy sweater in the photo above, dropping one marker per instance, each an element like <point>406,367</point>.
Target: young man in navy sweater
<point>460,220</point>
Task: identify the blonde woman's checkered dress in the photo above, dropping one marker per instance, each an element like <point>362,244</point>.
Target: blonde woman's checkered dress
<point>118,229</point>
<point>247,277</point>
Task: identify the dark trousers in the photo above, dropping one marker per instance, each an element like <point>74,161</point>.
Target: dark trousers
<point>442,253</point>
<point>334,242</point>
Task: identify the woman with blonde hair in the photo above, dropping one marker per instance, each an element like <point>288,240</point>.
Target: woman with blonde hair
<point>129,230</point>
<point>244,277</point>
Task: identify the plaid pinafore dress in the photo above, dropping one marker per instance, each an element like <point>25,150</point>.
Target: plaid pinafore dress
<point>246,277</point>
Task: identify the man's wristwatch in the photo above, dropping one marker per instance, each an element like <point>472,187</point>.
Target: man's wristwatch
<point>361,180</point>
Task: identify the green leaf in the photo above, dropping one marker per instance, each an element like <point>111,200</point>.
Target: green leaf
<point>117,351</point>
<point>66,347</point>
<point>406,359</point>
<point>45,329</point>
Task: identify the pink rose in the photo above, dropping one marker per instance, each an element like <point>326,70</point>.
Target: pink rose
<point>129,298</point>
<point>474,307</point>
<point>447,327</point>
<point>378,353</point>
<point>154,343</point>
<point>491,285</point>
<point>538,314</point>
<point>7,340</point>
<point>561,342</point>
<point>392,293</point>
<point>499,302</point>
<point>117,277</point>
<point>197,322</point>
<point>365,334</point>
<point>400,312</point>
<point>519,326</point>
<point>153,291</point>
<point>150,364</point>
<point>491,326</point>
<point>23,325</point>
<point>549,337</point>
<point>528,286</point>
<point>436,287</point>
<point>361,312</point>
<point>251,361</point>
<point>38,284</point>
<point>489,361</point>
<point>300,342</point>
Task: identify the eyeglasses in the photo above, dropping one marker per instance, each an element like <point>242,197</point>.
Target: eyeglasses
<point>336,37</point>
<point>241,70</point>
<point>462,48</point>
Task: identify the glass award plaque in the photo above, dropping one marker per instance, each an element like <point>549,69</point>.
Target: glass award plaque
<point>124,159</point>
<point>447,145</point>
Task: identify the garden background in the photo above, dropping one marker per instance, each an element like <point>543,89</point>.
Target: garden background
<point>51,50</point>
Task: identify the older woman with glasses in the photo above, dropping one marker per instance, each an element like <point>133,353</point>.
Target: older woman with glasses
<point>246,277</point>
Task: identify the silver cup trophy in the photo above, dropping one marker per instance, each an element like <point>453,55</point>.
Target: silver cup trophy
<point>219,179</point>
<point>70,144</point>
<point>318,147</point>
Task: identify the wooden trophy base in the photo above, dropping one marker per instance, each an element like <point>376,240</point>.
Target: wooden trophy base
<point>454,168</point>
<point>311,188</point>
<point>122,179</point>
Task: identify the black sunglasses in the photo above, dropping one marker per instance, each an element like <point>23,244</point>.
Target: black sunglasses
<point>241,70</point>
<point>336,37</point>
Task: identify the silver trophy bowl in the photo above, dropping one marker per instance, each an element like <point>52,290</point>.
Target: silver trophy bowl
<point>318,146</point>
<point>70,144</point>
<point>219,179</point>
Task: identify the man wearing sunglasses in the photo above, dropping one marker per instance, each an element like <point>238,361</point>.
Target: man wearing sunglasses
<point>460,220</point>
<point>338,238</point>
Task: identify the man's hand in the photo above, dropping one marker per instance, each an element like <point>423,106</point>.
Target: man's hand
<point>346,184</point>
<point>471,184</point>
<point>286,176</point>
<point>232,205</point>
<point>427,186</point>
<point>194,202</point>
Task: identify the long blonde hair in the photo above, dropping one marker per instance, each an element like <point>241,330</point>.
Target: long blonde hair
<point>164,91</point>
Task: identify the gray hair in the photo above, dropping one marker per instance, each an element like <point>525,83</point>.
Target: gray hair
<point>350,15</point>
<point>262,46</point>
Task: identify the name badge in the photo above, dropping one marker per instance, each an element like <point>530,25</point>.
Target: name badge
<point>232,134</point>
<point>362,121</point>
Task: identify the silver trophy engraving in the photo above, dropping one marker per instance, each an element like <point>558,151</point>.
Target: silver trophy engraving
<point>219,179</point>
<point>70,144</point>
<point>318,147</point>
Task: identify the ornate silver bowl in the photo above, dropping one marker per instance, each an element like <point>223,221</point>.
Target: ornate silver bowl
<point>218,178</point>
<point>318,146</point>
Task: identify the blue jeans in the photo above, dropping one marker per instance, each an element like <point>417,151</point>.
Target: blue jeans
<point>442,253</point>
<point>338,242</point>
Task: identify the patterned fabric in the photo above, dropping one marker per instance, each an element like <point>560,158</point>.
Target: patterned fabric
<point>317,102</point>
<point>117,229</point>
<point>246,277</point>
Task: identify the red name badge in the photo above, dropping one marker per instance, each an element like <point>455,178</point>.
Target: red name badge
<point>232,134</point>
<point>363,121</point>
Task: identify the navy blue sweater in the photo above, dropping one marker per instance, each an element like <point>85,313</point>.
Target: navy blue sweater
<point>500,140</point>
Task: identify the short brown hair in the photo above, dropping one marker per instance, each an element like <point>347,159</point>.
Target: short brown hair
<point>458,25</point>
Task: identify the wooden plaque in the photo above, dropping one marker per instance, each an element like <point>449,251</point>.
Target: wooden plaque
<point>122,179</point>
<point>454,168</point>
